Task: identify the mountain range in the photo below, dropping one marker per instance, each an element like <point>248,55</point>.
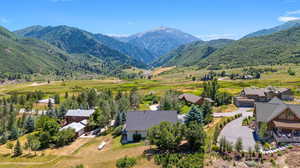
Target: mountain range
<point>45,49</point>
<point>159,41</point>
<point>269,46</point>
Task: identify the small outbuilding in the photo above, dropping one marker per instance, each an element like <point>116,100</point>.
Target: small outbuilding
<point>78,127</point>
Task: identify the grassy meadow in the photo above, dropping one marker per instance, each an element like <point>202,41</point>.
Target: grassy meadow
<point>84,151</point>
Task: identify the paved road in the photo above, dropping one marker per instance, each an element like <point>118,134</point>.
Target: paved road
<point>233,130</point>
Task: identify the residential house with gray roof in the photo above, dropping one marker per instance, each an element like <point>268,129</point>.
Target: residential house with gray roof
<point>250,95</point>
<point>283,120</point>
<point>138,122</point>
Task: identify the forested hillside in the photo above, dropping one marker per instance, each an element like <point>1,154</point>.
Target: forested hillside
<point>76,41</point>
<point>282,27</point>
<point>28,55</point>
<point>278,48</point>
<point>191,54</point>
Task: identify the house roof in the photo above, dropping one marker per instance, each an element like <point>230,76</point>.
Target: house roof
<point>47,101</point>
<point>84,122</point>
<point>190,97</point>
<point>254,91</point>
<point>209,100</point>
<point>77,126</point>
<point>142,120</point>
<point>262,91</point>
<point>80,113</point>
<point>265,112</point>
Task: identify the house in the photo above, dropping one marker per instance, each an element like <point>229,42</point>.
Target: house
<point>193,99</point>
<point>78,127</point>
<point>249,96</point>
<point>138,122</point>
<point>46,101</point>
<point>282,120</point>
<point>78,115</point>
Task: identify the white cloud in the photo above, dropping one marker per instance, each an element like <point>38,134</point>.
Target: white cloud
<point>288,18</point>
<point>216,36</point>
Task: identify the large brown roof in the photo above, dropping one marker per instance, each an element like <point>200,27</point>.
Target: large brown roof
<point>190,97</point>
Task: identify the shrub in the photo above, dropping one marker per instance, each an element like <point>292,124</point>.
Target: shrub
<point>126,162</point>
<point>117,131</point>
<point>137,137</point>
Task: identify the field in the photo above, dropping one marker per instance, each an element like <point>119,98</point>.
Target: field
<point>84,151</point>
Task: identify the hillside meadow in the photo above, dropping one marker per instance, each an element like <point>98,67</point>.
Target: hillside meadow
<point>174,78</point>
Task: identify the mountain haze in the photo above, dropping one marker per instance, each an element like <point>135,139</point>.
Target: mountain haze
<point>159,41</point>
<point>284,26</point>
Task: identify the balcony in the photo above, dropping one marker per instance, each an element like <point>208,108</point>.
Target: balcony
<point>286,138</point>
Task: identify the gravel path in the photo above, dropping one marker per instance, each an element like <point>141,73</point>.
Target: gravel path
<point>233,130</point>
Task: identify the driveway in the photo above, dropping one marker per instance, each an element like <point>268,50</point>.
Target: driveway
<point>230,114</point>
<point>233,130</point>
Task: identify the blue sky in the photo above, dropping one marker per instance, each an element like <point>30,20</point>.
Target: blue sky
<point>207,19</point>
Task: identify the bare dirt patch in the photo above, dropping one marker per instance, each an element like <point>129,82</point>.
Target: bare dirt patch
<point>161,70</point>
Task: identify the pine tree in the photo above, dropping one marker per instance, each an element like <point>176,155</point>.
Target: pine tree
<point>29,124</point>
<point>195,114</point>
<point>57,99</point>
<point>207,112</point>
<point>17,149</point>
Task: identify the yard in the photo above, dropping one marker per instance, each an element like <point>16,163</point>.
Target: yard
<point>82,151</point>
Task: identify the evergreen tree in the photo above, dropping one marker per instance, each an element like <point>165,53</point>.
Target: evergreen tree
<point>134,98</point>
<point>17,149</point>
<point>50,105</point>
<point>57,99</point>
<point>207,112</point>
<point>195,136</point>
<point>14,133</point>
<point>195,114</point>
<point>66,95</point>
<point>29,124</point>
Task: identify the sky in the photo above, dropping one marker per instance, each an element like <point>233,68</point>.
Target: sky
<point>206,19</point>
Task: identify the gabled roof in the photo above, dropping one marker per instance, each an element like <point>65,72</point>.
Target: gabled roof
<point>254,91</point>
<point>265,112</point>
<point>80,113</point>
<point>142,120</point>
<point>276,100</point>
<point>262,91</point>
<point>77,126</point>
<point>190,97</point>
